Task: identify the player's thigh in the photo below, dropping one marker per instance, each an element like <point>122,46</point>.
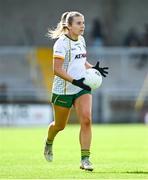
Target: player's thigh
<point>61,115</point>
<point>83,106</point>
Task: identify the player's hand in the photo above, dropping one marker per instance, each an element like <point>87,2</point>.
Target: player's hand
<point>80,84</point>
<point>102,70</point>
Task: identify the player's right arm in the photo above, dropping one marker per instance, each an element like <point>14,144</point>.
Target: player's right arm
<point>59,71</point>
<point>59,52</point>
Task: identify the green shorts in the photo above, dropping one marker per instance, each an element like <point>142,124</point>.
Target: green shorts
<point>67,100</point>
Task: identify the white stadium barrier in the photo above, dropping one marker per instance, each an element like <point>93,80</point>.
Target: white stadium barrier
<point>122,97</point>
<point>124,93</point>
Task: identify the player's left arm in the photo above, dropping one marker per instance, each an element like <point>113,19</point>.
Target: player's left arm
<point>88,65</point>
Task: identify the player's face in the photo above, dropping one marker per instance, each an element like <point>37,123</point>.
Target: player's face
<point>78,26</point>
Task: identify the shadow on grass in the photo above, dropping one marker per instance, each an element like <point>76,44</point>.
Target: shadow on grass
<point>120,172</point>
<point>136,172</point>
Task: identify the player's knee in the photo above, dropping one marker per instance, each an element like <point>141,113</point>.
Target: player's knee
<point>86,118</point>
<point>87,122</point>
<point>86,115</point>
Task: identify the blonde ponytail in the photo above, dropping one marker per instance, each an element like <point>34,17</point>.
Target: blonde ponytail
<point>60,29</point>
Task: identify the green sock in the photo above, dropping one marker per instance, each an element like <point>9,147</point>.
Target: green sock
<point>49,142</point>
<point>85,153</point>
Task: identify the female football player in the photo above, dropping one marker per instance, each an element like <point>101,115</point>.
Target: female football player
<point>70,63</point>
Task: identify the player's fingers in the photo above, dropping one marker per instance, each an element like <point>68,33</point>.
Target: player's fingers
<point>105,72</point>
<point>103,75</point>
<point>106,68</point>
<point>98,64</point>
<point>82,79</point>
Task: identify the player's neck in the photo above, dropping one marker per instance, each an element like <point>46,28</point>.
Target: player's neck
<point>72,36</point>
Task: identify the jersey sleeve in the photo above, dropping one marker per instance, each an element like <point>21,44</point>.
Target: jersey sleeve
<point>59,49</point>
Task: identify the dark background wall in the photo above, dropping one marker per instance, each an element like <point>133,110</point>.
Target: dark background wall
<point>25,22</point>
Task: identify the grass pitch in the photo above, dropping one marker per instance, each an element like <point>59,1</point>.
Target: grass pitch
<point>118,152</point>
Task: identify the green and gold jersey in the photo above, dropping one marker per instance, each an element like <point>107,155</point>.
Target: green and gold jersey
<point>73,53</point>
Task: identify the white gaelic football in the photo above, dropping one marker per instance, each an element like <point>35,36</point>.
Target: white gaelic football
<point>93,78</point>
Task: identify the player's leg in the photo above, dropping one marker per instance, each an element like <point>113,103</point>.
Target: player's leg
<point>83,106</point>
<point>61,115</point>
